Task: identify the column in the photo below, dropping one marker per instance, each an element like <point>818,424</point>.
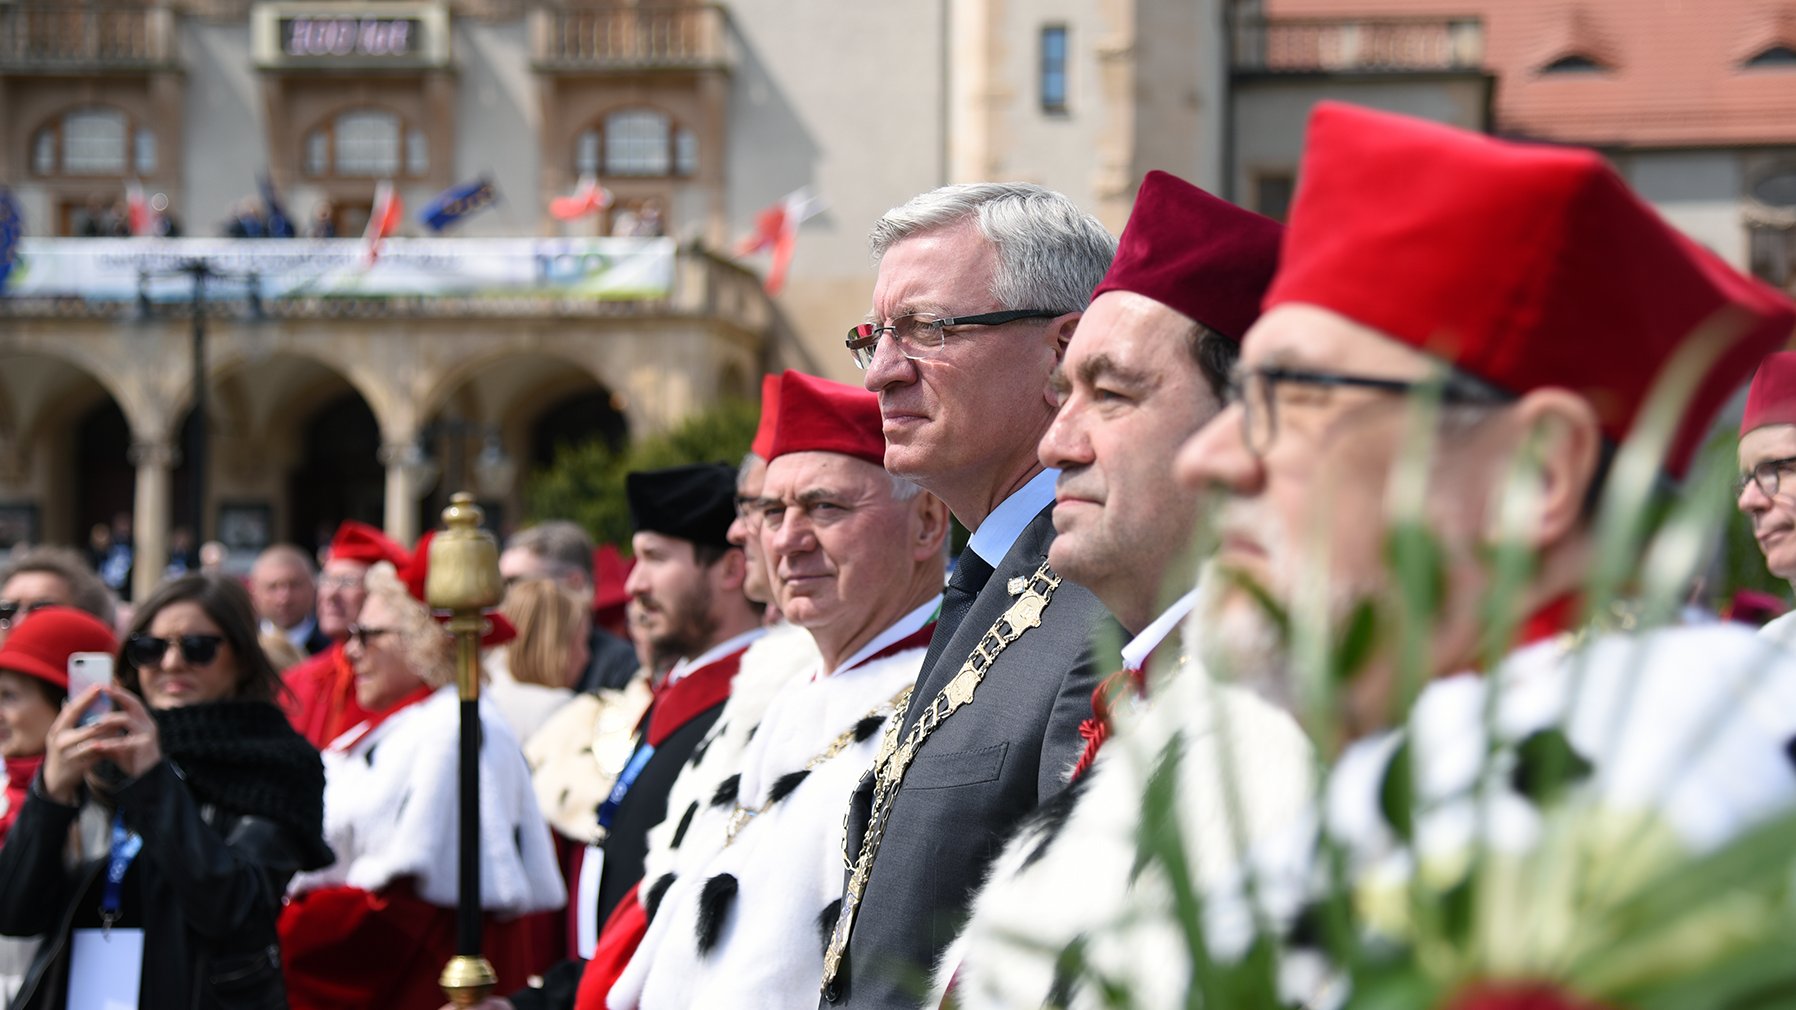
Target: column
<point>155,461</point>
<point>402,462</point>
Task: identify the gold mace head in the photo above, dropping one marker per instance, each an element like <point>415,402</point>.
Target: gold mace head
<point>464,561</point>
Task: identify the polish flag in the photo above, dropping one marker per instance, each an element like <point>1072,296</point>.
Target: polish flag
<point>137,209</point>
<point>776,228</point>
<point>383,219</point>
<point>589,198</point>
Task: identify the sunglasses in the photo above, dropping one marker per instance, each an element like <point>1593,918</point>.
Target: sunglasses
<point>197,650</point>
<point>12,610</point>
<point>361,636</point>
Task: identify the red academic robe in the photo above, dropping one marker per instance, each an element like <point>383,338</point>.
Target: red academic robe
<point>320,697</point>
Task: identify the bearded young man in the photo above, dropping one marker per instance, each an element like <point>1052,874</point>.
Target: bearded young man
<point>1538,301</point>
<point>856,560</point>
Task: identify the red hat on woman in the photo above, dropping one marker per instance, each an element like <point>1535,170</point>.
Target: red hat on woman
<point>41,646</point>
<point>416,573</point>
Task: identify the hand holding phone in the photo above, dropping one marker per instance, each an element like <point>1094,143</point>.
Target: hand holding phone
<point>85,670</point>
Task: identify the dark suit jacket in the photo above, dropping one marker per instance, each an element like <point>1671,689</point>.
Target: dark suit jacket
<point>317,641</point>
<point>977,775</point>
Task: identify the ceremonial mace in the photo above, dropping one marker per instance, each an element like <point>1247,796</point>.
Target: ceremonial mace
<point>464,580</point>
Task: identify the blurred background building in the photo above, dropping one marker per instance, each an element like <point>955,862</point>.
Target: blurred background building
<point>338,390</point>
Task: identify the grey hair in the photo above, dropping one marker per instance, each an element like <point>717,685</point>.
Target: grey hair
<point>903,488</point>
<point>563,544</point>
<point>1050,253</point>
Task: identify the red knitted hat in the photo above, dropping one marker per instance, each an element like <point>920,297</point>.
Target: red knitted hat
<point>1528,266</point>
<point>1772,399</point>
<point>817,415</point>
<point>1200,256</point>
<point>41,645</point>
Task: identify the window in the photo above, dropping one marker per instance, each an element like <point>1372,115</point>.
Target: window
<point>1053,69</point>
<point>1776,56</point>
<point>1573,63</point>
<point>144,152</point>
<point>366,143</point>
<point>93,141</point>
<point>636,142</point>
<point>1272,193</point>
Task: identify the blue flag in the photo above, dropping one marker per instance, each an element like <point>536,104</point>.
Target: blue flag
<point>279,224</point>
<point>12,224</point>
<point>457,202</point>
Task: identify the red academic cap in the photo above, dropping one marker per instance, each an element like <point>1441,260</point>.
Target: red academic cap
<point>41,645</point>
<point>358,541</point>
<point>417,572</point>
<point>1198,255</point>
<point>1772,399</point>
<point>1525,265</point>
<point>817,415</point>
<point>770,409</point>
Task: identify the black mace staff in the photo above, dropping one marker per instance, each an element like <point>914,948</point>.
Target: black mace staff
<point>464,579</point>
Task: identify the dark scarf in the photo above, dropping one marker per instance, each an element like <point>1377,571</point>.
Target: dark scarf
<point>245,758</point>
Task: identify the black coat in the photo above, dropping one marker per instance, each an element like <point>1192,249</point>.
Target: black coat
<point>209,885</point>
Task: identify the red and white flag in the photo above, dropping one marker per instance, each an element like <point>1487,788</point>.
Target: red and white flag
<point>383,220</point>
<point>589,198</point>
<point>776,228</point>
<point>137,209</point>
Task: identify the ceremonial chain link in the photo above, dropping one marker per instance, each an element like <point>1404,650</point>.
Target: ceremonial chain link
<point>740,817</point>
<point>895,757</point>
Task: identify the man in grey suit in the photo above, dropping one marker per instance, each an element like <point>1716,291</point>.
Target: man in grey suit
<point>979,290</point>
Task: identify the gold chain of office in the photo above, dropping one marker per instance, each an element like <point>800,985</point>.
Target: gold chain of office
<point>744,813</point>
<point>895,757</point>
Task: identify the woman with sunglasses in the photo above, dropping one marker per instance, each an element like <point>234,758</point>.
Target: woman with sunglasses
<point>373,930</point>
<point>213,802</point>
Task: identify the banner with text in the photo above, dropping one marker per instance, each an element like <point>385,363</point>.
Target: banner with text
<point>619,269</point>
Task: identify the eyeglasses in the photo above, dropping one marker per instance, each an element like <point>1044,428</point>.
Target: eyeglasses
<point>360,635</point>
<point>197,650</point>
<point>1765,475</point>
<point>920,335</point>
<point>13,610</point>
<point>339,582</point>
<point>1257,391</point>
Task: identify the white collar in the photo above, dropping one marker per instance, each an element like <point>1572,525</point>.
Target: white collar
<point>714,653</point>
<point>1135,654</point>
<point>905,626</point>
<point>997,534</point>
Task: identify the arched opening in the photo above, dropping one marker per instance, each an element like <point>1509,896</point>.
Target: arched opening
<point>576,419</point>
<point>105,484</point>
<point>338,474</point>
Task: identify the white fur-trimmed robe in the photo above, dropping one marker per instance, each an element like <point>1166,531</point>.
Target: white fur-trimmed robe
<point>391,809</point>
<point>786,863</point>
<point>785,653</point>
<point>1065,876</point>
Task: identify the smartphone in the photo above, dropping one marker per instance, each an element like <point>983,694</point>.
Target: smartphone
<point>85,670</point>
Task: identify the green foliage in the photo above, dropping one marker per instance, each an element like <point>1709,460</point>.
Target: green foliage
<point>585,483</point>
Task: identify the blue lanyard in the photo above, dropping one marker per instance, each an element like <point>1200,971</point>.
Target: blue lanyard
<point>125,847</point>
<point>625,779</point>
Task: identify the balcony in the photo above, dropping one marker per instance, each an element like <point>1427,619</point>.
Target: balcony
<point>628,39</point>
<point>66,38</point>
<point>1364,46</point>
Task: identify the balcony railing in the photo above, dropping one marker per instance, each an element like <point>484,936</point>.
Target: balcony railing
<point>70,37</point>
<point>629,38</point>
<point>1384,45</point>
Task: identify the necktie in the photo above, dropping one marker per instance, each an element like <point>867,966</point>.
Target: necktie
<point>971,573</point>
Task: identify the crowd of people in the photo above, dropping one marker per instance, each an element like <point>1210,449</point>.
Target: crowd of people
<point>804,754</point>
